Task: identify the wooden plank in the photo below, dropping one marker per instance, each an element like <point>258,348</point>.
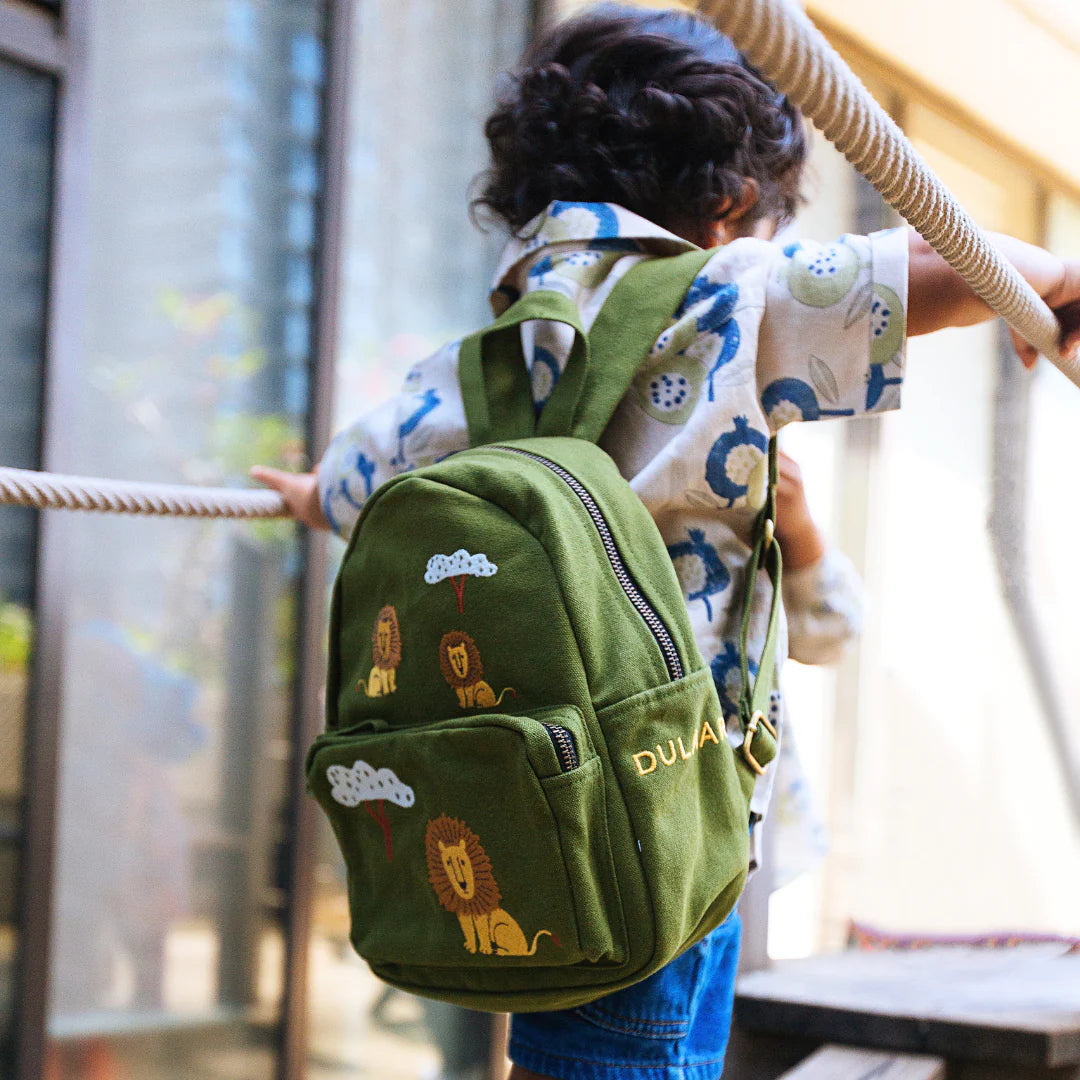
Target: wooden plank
<point>847,1063</point>
<point>1016,1006</point>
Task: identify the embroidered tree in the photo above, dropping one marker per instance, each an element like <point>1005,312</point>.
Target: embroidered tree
<point>365,784</point>
<point>457,568</point>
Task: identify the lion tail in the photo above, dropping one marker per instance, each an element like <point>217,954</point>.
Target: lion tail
<point>498,700</point>
<point>536,939</point>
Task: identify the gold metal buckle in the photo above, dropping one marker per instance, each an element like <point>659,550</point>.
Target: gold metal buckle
<point>751,730</point>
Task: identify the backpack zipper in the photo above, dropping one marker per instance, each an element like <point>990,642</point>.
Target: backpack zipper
<point>652,620</point>
<point>563,742</point>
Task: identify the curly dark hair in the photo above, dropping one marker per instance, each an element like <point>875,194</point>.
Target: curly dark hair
<point>655,111</point>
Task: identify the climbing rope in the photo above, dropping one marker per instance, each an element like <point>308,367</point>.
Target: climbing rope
<point>778,39</point>
<point>792,53</point>
<point>49,491</point>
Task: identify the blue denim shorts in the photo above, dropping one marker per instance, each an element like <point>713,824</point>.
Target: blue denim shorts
<point>671,1026</point>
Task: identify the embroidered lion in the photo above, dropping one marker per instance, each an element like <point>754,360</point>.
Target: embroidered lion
<point>460,873</point>
<point>386,652</point>
<point>463,669</point>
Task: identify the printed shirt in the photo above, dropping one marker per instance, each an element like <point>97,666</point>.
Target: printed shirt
<point>767,334</point>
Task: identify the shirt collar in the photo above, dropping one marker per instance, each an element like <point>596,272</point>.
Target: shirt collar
<point>577,225</point>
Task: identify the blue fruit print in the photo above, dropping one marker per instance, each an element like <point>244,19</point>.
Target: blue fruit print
<point>788,399</point>
<point>545,374</point>
<point>328,510</point>
<point>587,267</point>
<point>737,464</point>
<point>887,329</point>
<point>876,383</point>
<point>429,400</point>
<point>727,677</point>
<point>700,571</point>
<point>717,318</point>
<point>820,276</point>
<point>607,223</point>
<point>365,468</point>
<point>541,267</point>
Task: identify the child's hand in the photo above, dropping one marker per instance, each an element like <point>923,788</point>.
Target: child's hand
<point>938,296</point>
<point>800,541</point>
<point>1064,302</point>
<point>300,492</point>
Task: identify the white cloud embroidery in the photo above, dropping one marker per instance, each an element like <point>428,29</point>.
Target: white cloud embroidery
<point>362,783</point>
<point>365,784</point>
<point>457,568</point>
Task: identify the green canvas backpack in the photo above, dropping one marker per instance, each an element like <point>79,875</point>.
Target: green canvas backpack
<point>525,762</point>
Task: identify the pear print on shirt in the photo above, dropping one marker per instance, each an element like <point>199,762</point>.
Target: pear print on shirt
<point>428,401</point>
<point>669,384</point>
<point>357,483</point>
<point>597,221</point>
<point>788,399</point>
<point>727,677</point>
<point>718,330</point>
<point>544,375</point>
<point>737,467</point>
<point>887,332</point>
<point>821,275</point>
<point>700,571</point>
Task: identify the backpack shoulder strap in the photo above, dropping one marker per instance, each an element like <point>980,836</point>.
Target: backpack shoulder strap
<point>602,365</point>
<point>759,736</point>
<point>494,382</point>
<point>639,309</point>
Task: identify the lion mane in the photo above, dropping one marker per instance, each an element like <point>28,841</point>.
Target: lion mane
<point>486,896</point>
<point>386,658</point>
<point>476,666</point>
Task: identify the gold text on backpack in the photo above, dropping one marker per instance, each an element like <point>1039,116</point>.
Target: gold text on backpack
<point>675,751</point>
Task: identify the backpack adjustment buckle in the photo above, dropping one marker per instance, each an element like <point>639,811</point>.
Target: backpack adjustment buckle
<point>758,719</point>
<point>768,533</point>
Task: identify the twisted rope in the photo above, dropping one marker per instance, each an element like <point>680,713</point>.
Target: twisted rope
<point>49,491</point>
<point>791,52</point>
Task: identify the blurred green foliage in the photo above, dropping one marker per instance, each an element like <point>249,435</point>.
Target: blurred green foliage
<point>16,634</point>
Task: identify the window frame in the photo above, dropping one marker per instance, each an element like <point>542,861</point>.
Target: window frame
<point>55,44</point>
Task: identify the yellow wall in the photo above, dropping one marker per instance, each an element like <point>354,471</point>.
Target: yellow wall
<point>1010,66</point>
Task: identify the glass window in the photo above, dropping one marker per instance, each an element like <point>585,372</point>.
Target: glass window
<point>167,959</point>
<point>26,126</point>
<point>416,275</point>
<point>956,818</point>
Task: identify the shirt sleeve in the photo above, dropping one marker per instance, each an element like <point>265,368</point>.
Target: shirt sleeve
<point>422,424</point>
<point>824,607</point>
<point>833,332</point>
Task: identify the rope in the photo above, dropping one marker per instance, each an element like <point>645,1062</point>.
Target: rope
<point>791,52</point>
<point>49,491</point>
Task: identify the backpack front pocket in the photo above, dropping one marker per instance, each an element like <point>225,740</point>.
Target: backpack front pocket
<point>477,843</point>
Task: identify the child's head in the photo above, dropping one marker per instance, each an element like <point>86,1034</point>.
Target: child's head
<point>653,110</point>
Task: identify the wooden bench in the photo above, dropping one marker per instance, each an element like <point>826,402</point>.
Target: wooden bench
<point>1007,1014</point>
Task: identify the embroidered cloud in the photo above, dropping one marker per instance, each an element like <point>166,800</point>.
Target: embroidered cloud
<point>365,784</point>
<point>457,568</point>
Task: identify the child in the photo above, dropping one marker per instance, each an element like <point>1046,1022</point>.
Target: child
<point>628,135</point>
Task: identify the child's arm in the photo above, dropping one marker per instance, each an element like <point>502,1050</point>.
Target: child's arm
<point>939,297</point>
<point>822,590</point>
<point>801,543</point>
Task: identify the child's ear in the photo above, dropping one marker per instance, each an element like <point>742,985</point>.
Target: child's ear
<point>731,210</point>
